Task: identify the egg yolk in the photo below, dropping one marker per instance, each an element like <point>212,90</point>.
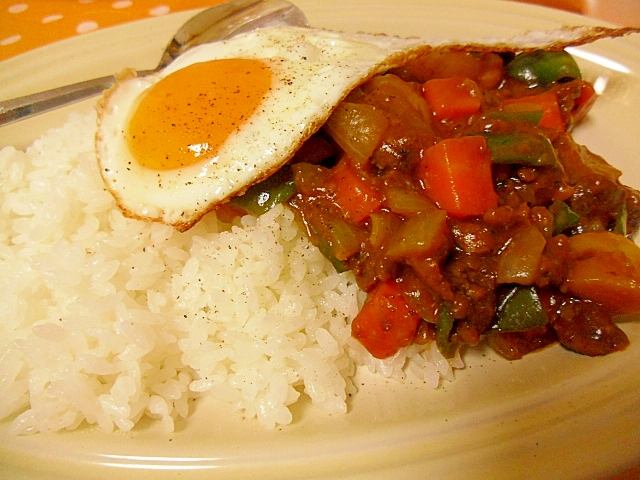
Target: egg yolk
<point>185,117</point>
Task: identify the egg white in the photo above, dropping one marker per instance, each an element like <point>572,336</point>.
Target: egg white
<point>312,71</point>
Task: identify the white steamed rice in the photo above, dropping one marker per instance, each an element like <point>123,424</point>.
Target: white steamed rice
<point>105,320</point>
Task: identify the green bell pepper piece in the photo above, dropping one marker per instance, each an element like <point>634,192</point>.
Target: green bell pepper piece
<point>263,196</point>
<point>563,217</point>
<point>325,248</point>
<point>530,117</point>
<point>443,331</point>
<point>520,310</point>
<point>533,149</point>
<point>541,68</point>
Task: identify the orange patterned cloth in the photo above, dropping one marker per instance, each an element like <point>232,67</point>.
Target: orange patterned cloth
<point>28,24</point>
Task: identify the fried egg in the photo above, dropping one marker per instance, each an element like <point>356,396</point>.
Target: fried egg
<point>174,145</point>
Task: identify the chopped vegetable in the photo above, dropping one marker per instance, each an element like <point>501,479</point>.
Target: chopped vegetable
<point>265,195</point>
<point>406,202</point>
<point>339,238</point>
<point>443,331</point>
<point>517,113</point>
<point>541,68</point>
<point>563,217</point>
<point>425,235</point>
<point>519,260</point>
<point>548,103</point>
<point>326,248</point>
<point>621,220</point>
<point>392,94</point>
<point>605,268</point>
<point>520,310</point>
<point>532,148</point>
<point>383,226</point>
<point>353,194</point>
<point>453,97</point>
<point>386,323</point>
<point>456,174</point>
<point>357,128</point>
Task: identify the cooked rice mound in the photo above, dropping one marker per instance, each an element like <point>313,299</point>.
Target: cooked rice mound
<point>106,320</point>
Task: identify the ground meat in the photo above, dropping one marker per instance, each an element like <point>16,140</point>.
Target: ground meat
<point>473,236</point>
<point>473,279</point>
<point>598,201</point>
<point>587,328</point>
<point>515,345</point>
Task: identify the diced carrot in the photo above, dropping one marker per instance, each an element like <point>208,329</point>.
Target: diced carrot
<point>548,102</point>
<point>386,323</point>
<point>356,198</point>
<point>583,103</point>
<point>456,174</point>
<point>453,97</point>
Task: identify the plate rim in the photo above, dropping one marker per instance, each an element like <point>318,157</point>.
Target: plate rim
<point>529,8</point>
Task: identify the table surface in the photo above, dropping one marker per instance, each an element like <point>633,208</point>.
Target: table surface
<point>28,24</point>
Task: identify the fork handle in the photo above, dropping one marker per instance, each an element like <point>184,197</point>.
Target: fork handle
<point>24,107</point>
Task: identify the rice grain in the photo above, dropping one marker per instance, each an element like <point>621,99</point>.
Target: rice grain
<point>106,319</point>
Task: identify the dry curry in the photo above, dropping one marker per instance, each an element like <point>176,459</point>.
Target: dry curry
<point>454,191</point>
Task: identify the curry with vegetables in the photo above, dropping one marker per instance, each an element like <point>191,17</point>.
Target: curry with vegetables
<point>454,191</point>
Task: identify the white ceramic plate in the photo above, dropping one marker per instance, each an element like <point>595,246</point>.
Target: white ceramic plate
<point>553,414</point>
